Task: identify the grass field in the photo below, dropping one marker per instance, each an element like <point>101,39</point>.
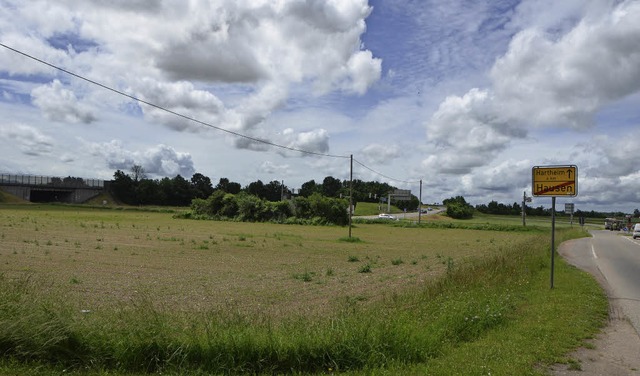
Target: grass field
<point>126,291</point>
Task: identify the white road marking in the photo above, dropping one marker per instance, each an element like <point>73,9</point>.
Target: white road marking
<point>593,251</point>
<point>632,240</point>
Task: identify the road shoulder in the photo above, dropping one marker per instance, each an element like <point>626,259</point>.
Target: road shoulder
<point>616,349</point>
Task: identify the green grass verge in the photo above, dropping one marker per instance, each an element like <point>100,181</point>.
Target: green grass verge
<point>492,315</point>
<point>373,208</point>
<point>8,198</point>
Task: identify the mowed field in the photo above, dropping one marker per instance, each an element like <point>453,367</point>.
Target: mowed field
<point>98,258</point>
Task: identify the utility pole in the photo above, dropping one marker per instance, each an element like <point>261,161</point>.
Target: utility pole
<point>525,199</point>
<point>282,191</point>
<point>420,204</point>
<point>350,195</point>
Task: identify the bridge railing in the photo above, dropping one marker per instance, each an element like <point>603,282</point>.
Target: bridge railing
<point>51,181</point>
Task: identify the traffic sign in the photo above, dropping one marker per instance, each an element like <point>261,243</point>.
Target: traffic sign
<point>569,208</point>
<point>401,195</point>
<point>555,180</point>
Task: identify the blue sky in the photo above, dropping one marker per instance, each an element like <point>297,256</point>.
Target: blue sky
<point>466,96</point>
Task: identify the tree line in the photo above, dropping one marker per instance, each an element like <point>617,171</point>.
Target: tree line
<point>516,209</point>
<point>135,188</point>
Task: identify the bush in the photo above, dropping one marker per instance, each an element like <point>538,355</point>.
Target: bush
<point>459,211</point>
<point>316,209</point>
<point>229,206</point>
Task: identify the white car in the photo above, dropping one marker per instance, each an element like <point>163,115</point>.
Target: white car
<point>636,231</point>
<point>386,216</point>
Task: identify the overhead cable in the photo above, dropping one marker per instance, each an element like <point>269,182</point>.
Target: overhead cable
<point>383,175</point>
<point>189,118</point>
<point>254,139</point>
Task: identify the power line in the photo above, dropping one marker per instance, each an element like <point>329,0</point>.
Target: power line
<point>383,175</point>
<point>254,139</point>
<point>189,118</point>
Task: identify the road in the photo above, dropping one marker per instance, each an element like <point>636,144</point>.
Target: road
<point>409,215</point>
<point>616,258</point>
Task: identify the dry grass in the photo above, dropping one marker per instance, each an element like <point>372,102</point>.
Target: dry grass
<point>106,258</point>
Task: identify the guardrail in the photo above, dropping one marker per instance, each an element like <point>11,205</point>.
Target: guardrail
<point>50,181</point>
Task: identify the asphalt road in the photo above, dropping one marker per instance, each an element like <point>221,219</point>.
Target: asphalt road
<point>409,215</point>
<point>615,259</point>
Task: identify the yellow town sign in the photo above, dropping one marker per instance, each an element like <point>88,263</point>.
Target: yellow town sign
<point>555,180</point>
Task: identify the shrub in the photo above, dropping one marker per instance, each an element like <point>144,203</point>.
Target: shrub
<point>459,211</point>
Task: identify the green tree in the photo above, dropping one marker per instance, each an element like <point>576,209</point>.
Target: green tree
<point>331,186</point>
<point>309,188</point>
<point>250,208</point>
<point>201,185</point>
<point>122,188</point>
<point>147,192</point>
<point>457,207</point>
<point>229,186</point>
<point>274,190</point>
<point>256,188</point>
<point>229,206</point>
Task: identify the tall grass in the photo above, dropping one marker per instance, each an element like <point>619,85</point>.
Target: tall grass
<point>414,327</point>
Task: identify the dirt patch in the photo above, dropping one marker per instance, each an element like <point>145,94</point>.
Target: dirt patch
<point>614,352</point>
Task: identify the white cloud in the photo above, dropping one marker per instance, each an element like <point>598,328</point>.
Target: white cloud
<point>266,46</point>
<point>157,161</point>
<point>213,51</point>
<point>466,133</point>
<point>363,70</point>
<point>540,82</point>
<point>30,140</point>
<point>274,169</point>
<point>381,154</point>
<point>60,104</point>
<point>316,141</point>
<point>472,91</point>
<point>613,157</point>
<point>546,82</point>
<point>502,178</point>
<point>182,98</point>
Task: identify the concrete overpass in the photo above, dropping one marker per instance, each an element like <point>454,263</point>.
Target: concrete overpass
<point>51,189</point>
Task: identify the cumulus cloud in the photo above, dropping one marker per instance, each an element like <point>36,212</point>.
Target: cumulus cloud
<point>226,63</point>
<point>60,104</point>
<point>564,82</point>
<point>274,169</point>
<point>467,133</point>
<point>288,142</point>
<point>30,140</point>
<point>501,178</point>
<point>316,141</point>
<point>182,98</point>
<point>381,154</point>
<point>265,47</point>
<point>613,157</point>
<point>160,160</point>
<point>542,81</point>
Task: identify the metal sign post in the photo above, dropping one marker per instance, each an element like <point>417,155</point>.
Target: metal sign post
<point>525,199</point>
<point>553,236</point>
<point>554,181</point>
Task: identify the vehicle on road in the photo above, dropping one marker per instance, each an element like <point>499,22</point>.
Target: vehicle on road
<point>386,216</point>
<point>612,224</point>
<point>636,231</point>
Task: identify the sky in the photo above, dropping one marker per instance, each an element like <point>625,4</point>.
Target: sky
<point>466,96</point>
